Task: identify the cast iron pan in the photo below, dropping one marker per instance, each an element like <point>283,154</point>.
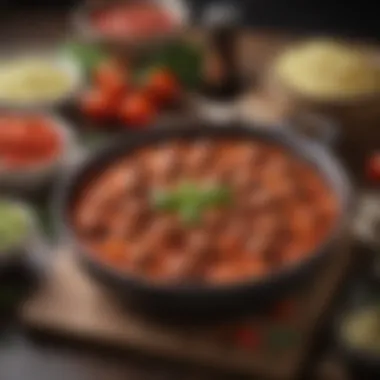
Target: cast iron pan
<point>199,301</point>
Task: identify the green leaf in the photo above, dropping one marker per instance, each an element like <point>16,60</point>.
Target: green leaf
<point>189,200</point>
<point>183,59</point>
<point>190,215</point>
<point>217,196</point>
<point>188,193</point>
<point>167,201</point>
<point>88,55</point>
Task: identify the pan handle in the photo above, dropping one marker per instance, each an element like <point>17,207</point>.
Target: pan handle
<point>317,127</point>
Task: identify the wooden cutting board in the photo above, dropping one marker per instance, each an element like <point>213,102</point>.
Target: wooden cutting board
<point>71,305</point>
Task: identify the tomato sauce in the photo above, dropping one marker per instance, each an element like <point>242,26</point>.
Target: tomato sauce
<point>279,209</point>
<point>132,20</point>
<point>27,140</point>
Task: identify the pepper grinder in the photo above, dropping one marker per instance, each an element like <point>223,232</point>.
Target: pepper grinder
<point>222,84</point>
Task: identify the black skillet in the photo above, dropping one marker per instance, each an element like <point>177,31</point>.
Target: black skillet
<point>196,300</point>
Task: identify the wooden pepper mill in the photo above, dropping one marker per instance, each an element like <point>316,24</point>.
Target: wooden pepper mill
<point>222,84</point>
<point>221,77</point>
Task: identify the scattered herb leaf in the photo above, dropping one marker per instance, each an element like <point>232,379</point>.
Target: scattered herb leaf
<point>190,200</point>
<point>87,55</point>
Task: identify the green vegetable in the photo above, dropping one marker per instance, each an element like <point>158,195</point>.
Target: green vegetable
<point>87,55</point>
<point>166,201</point>
<point>190,201</point>
<point>217,196</point>
<point>183,59</point>
<point>190,214</point>
<point>13,225</point>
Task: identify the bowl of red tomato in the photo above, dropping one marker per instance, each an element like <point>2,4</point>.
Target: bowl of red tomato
<point>34,147</point>
<point>115,99</point>
<point>131,24</point>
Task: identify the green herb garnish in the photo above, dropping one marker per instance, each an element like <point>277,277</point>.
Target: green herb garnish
<point>13,226</point>
<point>87,55</point>
<point>190,201</point>
<point>184,59</point>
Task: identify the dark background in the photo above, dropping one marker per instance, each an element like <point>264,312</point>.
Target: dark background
<point>358,18</point>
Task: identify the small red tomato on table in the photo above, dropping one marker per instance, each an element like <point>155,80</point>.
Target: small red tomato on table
<point>373,168</point>
<point>162,86</point>
<point>137,111</point>
<point>111,78</point>
<point>96,104</point>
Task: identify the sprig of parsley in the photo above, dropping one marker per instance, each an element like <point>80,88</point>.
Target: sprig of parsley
<point>190,201</point>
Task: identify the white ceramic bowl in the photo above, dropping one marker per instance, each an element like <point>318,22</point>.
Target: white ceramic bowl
<point>69,66</point>
<point>24,181</point>
<point>177,9</point>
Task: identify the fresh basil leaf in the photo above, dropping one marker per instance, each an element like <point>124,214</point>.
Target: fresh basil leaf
<point>184,60</point>
<point>166,201</point>
<point>88,55</point>
<point>217,196</point>
<point>188,191</point>
<point>190,215</point>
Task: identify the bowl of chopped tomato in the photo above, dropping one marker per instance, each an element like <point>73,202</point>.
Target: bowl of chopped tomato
<point>134,25</point>
<point>34,147</point>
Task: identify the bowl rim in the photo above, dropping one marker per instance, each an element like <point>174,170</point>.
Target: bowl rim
<point>178,9</point>
<point>325,162</point>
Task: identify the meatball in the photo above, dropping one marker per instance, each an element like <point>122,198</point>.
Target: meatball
<point>247,156</point>
<point>214,220</point>
<point>197,253</point>
<point>165,164</point>
<point>232,238</point>
<point>115,251</point>
<point>130,219</point>
<point>199,156</point>
<point>267,224</point>
<point>133,181</point>
<point>142,255</point>
<point>243,180</point>
<point>90,221</point>
<point>282,188</point>
<point>257,245</point>
<point>165,231</point>
<point>260,198</point>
